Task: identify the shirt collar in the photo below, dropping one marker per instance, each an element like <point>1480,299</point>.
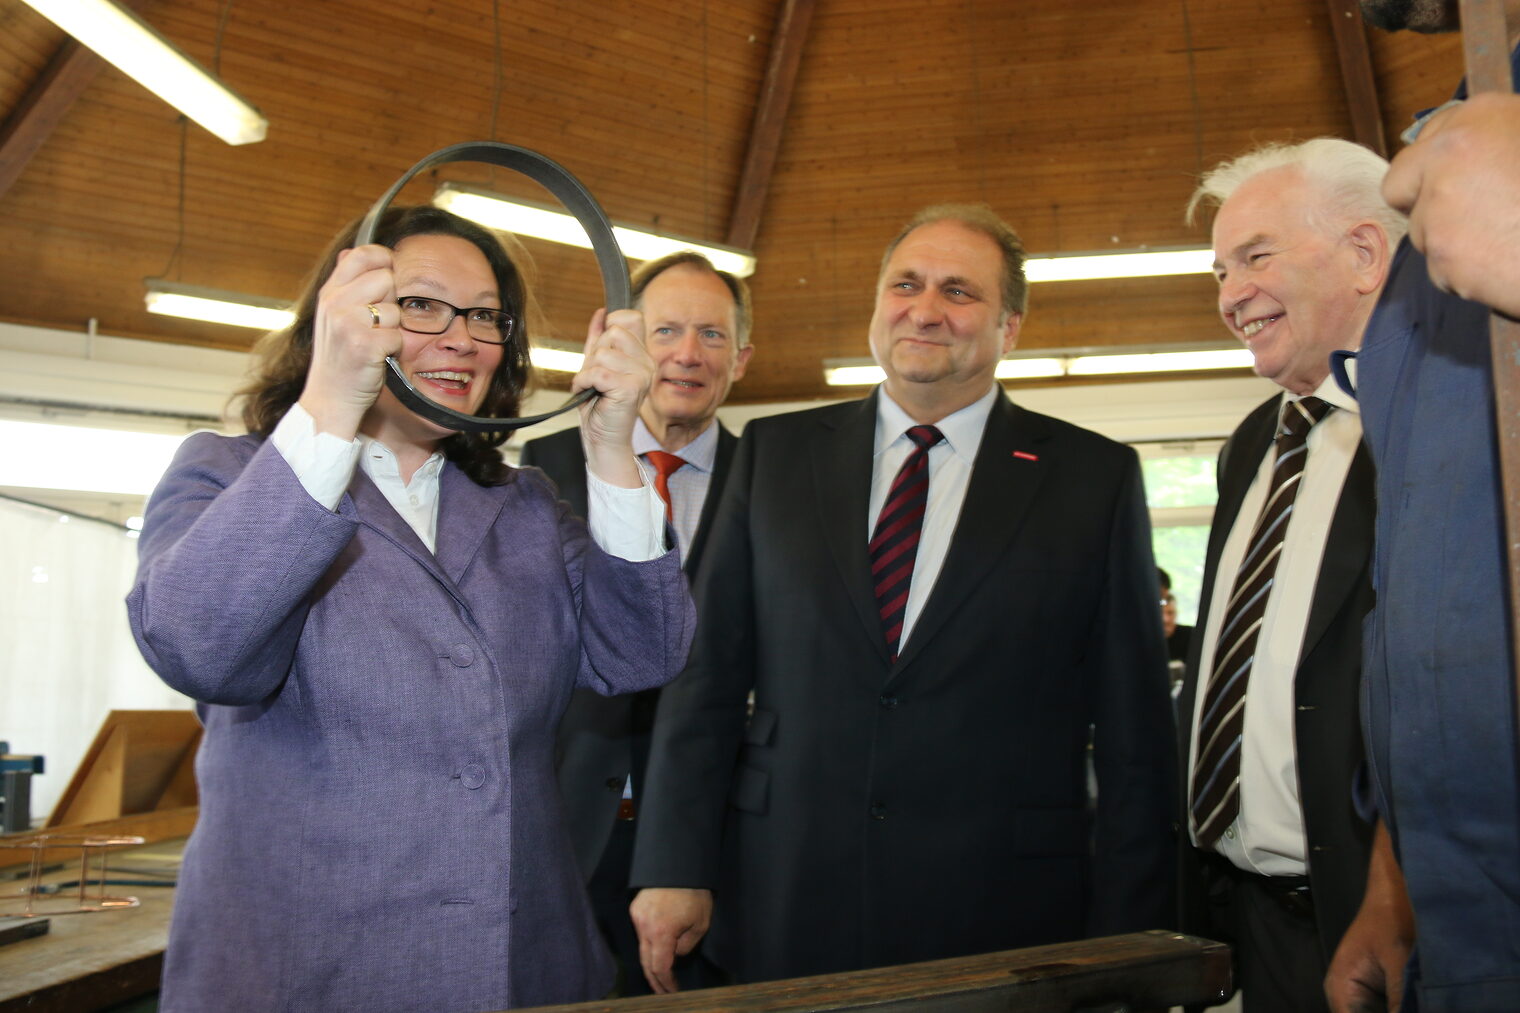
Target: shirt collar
<point>701,453</point>
<point>962,429</point>
<point>1329,391</point>
<point>372,451</point>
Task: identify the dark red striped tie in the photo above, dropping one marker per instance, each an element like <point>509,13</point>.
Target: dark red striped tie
<point>894,546</point>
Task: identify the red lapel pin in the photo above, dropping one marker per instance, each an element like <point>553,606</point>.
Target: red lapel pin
<point>1026,455</point>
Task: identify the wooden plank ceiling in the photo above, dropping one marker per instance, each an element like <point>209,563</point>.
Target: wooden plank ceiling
<point>1085,125</point>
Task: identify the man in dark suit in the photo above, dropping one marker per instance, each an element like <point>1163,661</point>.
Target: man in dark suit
<point>1275,855</point>
<point>933,595</point>
<point>698,323</point>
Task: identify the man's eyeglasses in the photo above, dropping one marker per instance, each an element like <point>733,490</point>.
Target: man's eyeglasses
<point>422,315</point>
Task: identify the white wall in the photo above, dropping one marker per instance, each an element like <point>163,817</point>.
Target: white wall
<point>66,656</point>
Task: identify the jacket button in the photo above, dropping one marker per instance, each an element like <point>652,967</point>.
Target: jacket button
<point>889,702</point>
<point>473,776</point>
<point>615,783</point>
<point>878,810</point>
<point>461,655</point>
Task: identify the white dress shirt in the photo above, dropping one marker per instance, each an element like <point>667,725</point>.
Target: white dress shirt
<point>1268,835</point>
<point>950,463</point>
<point>688,484</point>
<point>628,523</point>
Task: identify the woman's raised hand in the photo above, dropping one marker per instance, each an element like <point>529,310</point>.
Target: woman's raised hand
<point>356,327</point>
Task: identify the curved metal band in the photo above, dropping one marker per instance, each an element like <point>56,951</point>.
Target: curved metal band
<point>577,200</point>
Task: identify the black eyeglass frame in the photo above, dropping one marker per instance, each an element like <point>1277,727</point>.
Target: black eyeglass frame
<point>508,317</point>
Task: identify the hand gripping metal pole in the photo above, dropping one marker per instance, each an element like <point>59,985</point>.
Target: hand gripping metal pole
<point>577,200</point>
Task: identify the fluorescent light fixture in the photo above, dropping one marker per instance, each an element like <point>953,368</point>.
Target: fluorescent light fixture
<point>132,46</point>
<point>1028,369</point>
<point>529,218</point>
<point>864,373</point>
<point>552,357</point>
<point>1077,362</point>
<point>215,306</point>
<point>1160,362</point>
<point>79,459</point>
<point>853,376</point>
<point>1147,264</point>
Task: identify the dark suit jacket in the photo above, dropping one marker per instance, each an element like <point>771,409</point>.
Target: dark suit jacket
<point>602,739</point>
<point>872,812</point>
<point>1326,688</point>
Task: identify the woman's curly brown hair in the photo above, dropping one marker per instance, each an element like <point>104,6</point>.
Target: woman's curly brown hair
<point>283,357</point>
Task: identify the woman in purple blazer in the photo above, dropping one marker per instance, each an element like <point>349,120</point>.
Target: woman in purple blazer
<point>382,623</point>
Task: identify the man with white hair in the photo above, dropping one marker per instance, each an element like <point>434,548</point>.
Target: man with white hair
<point>1275,855</point>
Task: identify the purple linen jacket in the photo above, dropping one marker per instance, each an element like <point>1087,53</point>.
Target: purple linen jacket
<point>380,827</point>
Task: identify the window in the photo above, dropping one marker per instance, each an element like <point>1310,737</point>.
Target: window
<point>1180,490</point>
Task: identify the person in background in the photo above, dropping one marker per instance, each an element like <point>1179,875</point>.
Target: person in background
<point>697,323</point>
<point>1178,637</point>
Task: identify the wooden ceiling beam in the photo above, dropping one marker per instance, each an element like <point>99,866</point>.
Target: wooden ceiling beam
<point>1356,74</point>
<point>770,117</point>
<point>28,127</point>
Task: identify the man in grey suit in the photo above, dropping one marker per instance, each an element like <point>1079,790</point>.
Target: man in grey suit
<point>935,597</point>
<point>698,324</point>
<point>1274,857</point>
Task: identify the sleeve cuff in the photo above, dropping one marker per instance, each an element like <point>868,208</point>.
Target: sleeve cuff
<point>322,462</point>
<point>627,523</point>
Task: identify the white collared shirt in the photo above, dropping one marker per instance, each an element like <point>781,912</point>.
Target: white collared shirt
<point>950,463</point>
<point>1268,835</point>
<point>688,484</point>
<point>628,523</point>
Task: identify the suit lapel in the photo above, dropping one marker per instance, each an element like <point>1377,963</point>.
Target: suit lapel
<point>841,459</point>
<point>457,543</point>
<point>466,513</point>
<point>1003,489</point>
<point>375,511</point>
<point>1346,549</point>
<point>1238,464</point>
<point>725,456</point>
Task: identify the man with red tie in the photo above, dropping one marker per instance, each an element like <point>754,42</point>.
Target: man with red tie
<point>937,599</point>
<point>697,324</point>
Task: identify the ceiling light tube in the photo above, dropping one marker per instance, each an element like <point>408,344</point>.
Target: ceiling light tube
<point>528,218</point>
<point>556,358</point>
<point>215,306</point>
<point>1029,369</point>
<point>1144,264</point>
<point>1161,362</point>
<point>845,375</point>
<point>863,373</point>
<point>132,46</point>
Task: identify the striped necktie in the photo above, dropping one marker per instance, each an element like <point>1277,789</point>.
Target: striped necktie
<point>1216,771</point>
<point>894,545</point>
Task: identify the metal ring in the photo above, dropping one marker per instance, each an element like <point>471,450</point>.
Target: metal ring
<point>577,200</point>
<point>374,314</point>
